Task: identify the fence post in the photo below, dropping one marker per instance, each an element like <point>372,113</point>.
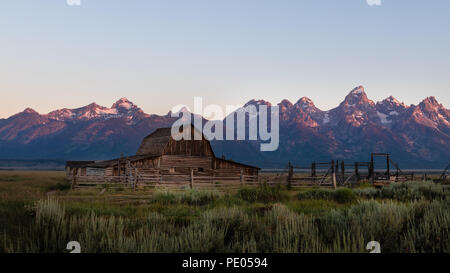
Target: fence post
<point>333,174</point>
<point>290,175</point>
<point>313,169</point>
<point>74,179</point>
<point>192,178</point>
<point>356,173</point>
<point>135,178</point>
<point>242,177</point>
<point>74,182</point>
<point>372,170</point>
<point>388,165</point>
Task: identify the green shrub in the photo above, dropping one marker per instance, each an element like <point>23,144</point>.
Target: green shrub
<point>263,194</point>
<point>342,195</point>
<point>60,186</point>
<point>408,191</point>
<point>189,197</point>
<point>316,194</point>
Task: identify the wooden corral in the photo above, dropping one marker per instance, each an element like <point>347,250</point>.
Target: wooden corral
<point>339,173</point>
<point>164,162</point>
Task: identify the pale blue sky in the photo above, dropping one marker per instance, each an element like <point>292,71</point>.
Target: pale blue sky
<point>163,53</point>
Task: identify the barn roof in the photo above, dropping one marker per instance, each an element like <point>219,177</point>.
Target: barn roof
<point>237,163</point>
<point>106,163</point>
<point>155,143</point>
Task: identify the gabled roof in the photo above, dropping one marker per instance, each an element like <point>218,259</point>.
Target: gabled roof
<point>155,143</point>
<point>106,163</point>
<point>237,163</point>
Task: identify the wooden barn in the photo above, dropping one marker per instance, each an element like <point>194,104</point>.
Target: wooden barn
<point>162,161</point>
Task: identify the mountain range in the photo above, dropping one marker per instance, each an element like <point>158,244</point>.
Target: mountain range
<point>417,136</point>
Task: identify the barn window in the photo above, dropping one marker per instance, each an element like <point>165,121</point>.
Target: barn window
<point>171,170</point>
<point>201,169</point>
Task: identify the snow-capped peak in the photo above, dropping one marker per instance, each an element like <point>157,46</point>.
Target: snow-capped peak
<point>306,104</point>
<point>123,103</point>
<point>391,106</point>
<point>393,100</point>
<point>358,90</point>
<point>357,97</point>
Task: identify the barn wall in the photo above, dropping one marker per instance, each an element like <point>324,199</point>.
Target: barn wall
<point>224,165</point>
<point>189,147</point>
<point>109,171</point>
<point>147,163</point>
<point>95,171</point>
<point>182,161</point>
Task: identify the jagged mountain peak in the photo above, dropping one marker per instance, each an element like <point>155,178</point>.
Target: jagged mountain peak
<point>392,100</point>
<point>123,103</point>
<point>431,101</point>
<point>432,110</point>
<point>92,105</point>
<point>286,103</point>
<point>356,97</point>
<point>257,103</point>
<point>305,100</point>
<point>430,104</point>
<point>358,90</point>
<point>306,104</point>
<point>29,111</point>
<point>391,106</point>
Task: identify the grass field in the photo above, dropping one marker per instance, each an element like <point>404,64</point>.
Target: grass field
<point>39,213</point>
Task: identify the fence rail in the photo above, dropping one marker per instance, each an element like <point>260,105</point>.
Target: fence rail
<point>149,178</point>
<point>329,174</point>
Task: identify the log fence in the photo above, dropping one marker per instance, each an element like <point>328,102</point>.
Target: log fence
<point>155,178</point>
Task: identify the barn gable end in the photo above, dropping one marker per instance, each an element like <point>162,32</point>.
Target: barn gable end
<point>161,142</point>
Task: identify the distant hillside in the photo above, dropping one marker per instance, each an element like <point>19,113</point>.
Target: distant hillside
<point>47,165</point>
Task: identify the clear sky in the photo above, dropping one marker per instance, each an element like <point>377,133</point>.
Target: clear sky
<point>160,53</point>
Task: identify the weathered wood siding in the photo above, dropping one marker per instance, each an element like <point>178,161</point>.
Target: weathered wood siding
<point>181,162</point>
<point>226,164</point>
<point>189,148</point>
<point>95,171</point>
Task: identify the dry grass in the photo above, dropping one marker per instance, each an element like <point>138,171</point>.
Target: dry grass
<point>250,220</point>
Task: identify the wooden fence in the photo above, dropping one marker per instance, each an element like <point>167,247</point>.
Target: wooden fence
<point>155,178</point>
